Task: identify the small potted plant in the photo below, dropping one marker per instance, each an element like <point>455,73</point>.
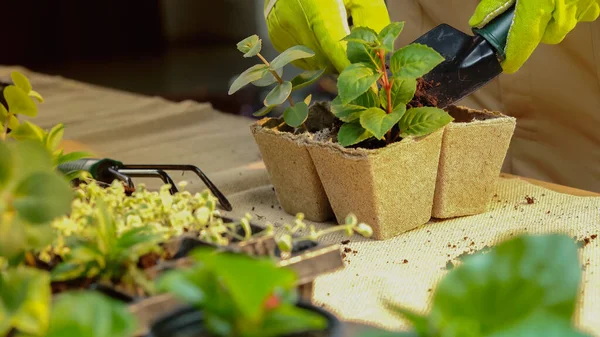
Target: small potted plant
<point>382,162</point>
<point>282,140</point>
<point>473,151</point>
<point>234,295</point>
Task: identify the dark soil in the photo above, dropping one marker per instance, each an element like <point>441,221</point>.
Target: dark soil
<point>422,98</point>
<point>530,200</point>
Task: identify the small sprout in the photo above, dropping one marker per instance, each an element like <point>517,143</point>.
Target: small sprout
<point>182,185</point>
<point>351,219</point>
<point>364,230</point>
<point>285,243</point>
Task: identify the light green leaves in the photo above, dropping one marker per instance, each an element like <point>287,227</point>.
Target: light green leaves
<point>389,34</point>
<point>307,78</point>
<point>279,94</point>
<point>352,133</point>
<point>90,314</point>
<point>28,130</point>
<point>268,79</point>
<point>403,90</point>
<point>378,122</point>
<point>360,43</point>
<point>250,46</point>
<point>252,74</point>
<point>24,301</point>
<point>19,103</point>
<point>21,81</point>
<point>264,111</point>
<point>346,112</point>
<point>290,55</point>
<point>296,115</point>
<point>355,80</point>
<point>14,122</point>
<point>423,121</point>
<point>414,60</point>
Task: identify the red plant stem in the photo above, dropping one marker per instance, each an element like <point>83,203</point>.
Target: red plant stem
<point>387,86</point>
<point>277,77</point>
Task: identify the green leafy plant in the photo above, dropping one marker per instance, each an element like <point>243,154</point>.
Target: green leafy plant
<point>32,194</point>
<point>109,256</point>
<point>241,296</point>
<point>269,73</point>
<point>26,308</point>
<point>373,93</point>
<point>20,99</point>
<point>527,286</point>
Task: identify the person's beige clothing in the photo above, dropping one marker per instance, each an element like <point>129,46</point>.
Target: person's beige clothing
<point>555,96</point>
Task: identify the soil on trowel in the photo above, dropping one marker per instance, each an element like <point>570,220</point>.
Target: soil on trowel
<point>422,98</point>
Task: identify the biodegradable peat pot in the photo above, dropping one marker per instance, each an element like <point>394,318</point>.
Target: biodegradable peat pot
<point>473,151</point>
<point>189,322</point>
<point>391,188</point>
<point>292,171</point>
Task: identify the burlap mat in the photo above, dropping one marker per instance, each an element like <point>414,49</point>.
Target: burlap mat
<point>405,269</point>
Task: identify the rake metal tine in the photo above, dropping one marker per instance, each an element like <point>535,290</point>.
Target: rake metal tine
<point>220,196</point>
<point>121,177</point>
<point>149,173</point>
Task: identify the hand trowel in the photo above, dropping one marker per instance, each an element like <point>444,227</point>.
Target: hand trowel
<point>470,61</point>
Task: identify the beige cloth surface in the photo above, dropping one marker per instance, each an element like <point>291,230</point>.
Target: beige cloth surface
<point>138,129</point>
<point>555,96</point>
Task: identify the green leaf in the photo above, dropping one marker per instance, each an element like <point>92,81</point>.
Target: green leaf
<point>36,95</point>
<point>250,46</point>
<point>289,319</point>
<point>24,301</point>
<point>54,137</point>
<point>504,287</point>
<point>352,133</point>
<point>389,34</point>
<point>72,156</point>
<point>42,197</point>
<point>358,52</point>
<point>279,94</point>
<point>268,79</point>
<point>378,122</point>
<point>541,324</point>
<point>13,241</point>
<point>290,55</point>
<point>6,165</point>
<point>19,103</point>
<point>307,78</point>
<point>29,157</point>
<point>346,112</point>
<point>14,122</point>
<point>20,81</point>
<point>28,130</point>
<point>90,314</point>
<point>39,237</point>
<point>418,322</point>
<point>181,284</point>
<point>252,74</point>
<point>368,100</point>
<point>355,80</point>
<point>414,60</point>
<point>423,121</point>
<point>403,91</point>
<point>296,115</point>
<point>264,111</point>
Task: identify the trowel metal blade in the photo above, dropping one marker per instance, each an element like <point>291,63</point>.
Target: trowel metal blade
<point>470,63</point>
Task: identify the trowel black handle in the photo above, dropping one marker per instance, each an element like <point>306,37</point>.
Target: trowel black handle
<point>496,32</point>
<point>98,168</point>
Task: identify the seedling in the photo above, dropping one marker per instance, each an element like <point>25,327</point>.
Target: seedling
<point>241,296</point>
<point>373,93</point>
<point>269,73</point>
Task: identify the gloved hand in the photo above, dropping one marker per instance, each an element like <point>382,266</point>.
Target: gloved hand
<point>321,25</point>
<point>535,22</point>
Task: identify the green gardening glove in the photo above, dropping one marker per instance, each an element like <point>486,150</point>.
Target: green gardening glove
<point>535,22</point>
<point>321,25</point>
